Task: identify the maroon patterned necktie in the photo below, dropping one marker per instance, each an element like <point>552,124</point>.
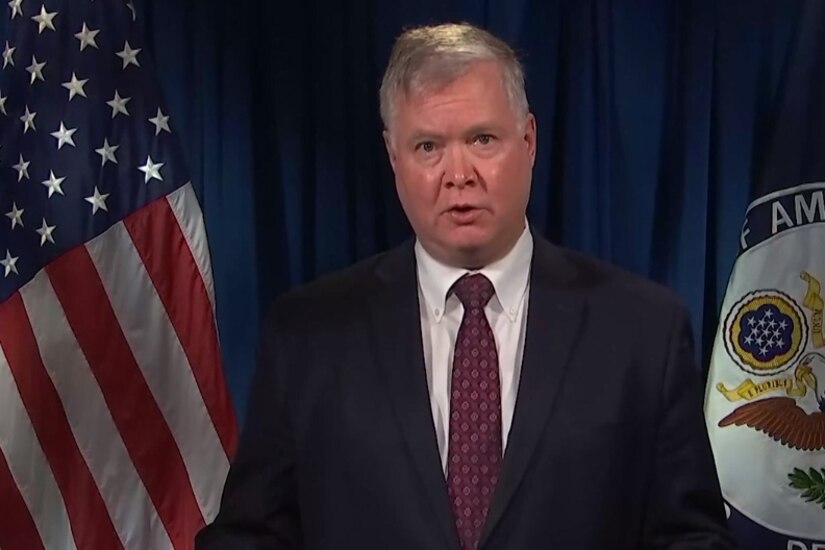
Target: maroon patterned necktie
<point>474,451</point>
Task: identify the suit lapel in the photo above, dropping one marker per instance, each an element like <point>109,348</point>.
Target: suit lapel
<point>396,333</point>
<point>554,317</point>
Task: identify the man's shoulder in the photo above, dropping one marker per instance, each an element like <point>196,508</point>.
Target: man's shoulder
<point>606,284</point>
<point>339,292</point>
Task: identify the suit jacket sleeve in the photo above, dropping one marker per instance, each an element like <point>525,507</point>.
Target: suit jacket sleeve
<point>259,508</point>
<point>685,507</point>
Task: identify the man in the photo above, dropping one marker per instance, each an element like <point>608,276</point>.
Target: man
<point>480,387</point>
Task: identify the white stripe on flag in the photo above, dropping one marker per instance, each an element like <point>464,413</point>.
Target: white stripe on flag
<point>187,210</point>
<point>158,352</point>
<point>132,512</point>
<point>29,467</point>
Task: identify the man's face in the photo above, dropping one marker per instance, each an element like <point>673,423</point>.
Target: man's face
<point>463,164</point>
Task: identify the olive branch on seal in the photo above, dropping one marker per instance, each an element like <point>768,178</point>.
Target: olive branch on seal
<point>812,483</point>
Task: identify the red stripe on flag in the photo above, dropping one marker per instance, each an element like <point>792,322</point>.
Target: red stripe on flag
<point>17,528</point>
<point>140,422</point>
<point>91,525</point>
<point>175,275</point>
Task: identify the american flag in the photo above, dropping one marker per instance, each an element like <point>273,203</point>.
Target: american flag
<point>116,426</point>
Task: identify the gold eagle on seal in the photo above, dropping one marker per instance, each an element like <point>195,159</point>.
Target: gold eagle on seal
<point>782,419</point>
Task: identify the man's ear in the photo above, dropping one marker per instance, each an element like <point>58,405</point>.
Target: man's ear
<point>530,137</point>
<point>388,143</point>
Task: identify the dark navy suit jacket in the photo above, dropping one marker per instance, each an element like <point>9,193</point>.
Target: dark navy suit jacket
<point>607,449</point>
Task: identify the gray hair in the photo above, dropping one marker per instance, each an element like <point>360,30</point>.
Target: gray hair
<point>437,55</point>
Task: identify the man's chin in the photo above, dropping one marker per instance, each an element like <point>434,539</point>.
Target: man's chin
<point>468,240</point>
<point>469,253</point>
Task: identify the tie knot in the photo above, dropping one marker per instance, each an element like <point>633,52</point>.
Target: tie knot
<point>474,290</point>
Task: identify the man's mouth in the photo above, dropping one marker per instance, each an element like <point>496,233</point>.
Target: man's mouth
<point>463,214</point>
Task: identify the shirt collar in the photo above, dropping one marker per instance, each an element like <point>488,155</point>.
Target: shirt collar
<point>509,276</point>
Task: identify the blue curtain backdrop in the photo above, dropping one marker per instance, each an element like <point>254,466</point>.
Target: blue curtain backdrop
<point>652,118</point>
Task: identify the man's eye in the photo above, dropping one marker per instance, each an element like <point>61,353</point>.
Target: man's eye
<point>426,146</point>
<point>484,139</point>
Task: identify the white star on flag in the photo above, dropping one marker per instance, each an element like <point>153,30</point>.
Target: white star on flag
<point>118,104</point>
<point>98,201</point>
<point>16,216</point>
<point>45,19</point>
<point>132,9</point>
<point>129,56</point>
<point>151,170</point>
<point>28,120</point>
<point>64,136</point>
<point>36,70</point>
<point>10,263</point>
<point>87,37</point>
<point>161,122</point>
<point>3,100</point>
<point>75,86</point>
<point>107,152</point>
<point>8,55</point>
<point>16,8</point>
<point>54,184</point>
<point>22,168</point>
<point>45,233</point>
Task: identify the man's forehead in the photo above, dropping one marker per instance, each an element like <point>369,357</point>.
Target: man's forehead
<point>439,122</point>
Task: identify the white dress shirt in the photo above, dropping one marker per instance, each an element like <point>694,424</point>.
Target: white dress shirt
<point>441,316</point>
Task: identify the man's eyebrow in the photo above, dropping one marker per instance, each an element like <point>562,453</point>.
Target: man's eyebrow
<point>423,135</point>
<point>418,135</point>
<point>483,128</point>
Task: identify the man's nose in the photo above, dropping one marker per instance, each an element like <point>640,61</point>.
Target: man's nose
<point>458,170</point>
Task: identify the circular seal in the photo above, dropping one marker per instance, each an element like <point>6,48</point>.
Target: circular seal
<point>765,332</point>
